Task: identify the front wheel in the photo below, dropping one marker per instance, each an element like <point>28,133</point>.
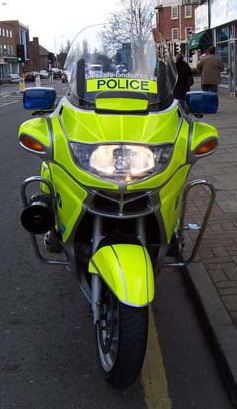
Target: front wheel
<point>121,337</point>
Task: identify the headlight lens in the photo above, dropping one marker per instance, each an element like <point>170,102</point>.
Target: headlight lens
<point>123,163</point>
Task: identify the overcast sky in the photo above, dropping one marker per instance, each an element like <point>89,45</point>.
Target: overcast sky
<point>55,21</point>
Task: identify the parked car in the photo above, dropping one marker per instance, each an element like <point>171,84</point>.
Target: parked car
<point>95,70</point>
<point>57,74</point>
<point>29,77</point>
<point>12,78</point>
<point>121,69</point>
<point>44,74</point>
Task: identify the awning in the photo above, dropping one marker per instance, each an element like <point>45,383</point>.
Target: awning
<point>200,40</point>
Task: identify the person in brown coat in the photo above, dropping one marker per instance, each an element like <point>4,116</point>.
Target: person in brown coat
<point>210,68</point>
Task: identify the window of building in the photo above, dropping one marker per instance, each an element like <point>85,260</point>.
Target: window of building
<point>188,33</point>
<point>12,50</point>
<point>10,33</point>
<point>0,48</point>
<point>174,12</point>
<point>175,34</point>
<point>3,32</point>
<point>8,49</point>
<point>0,31</point>
<point>188,11</point>
<point>6,33</point>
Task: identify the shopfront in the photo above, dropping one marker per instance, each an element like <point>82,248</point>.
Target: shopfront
<point>226,48</point>
<point>223,22</point>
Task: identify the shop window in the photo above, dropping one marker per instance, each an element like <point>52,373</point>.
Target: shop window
<point>175,34</point>
<point>188,11</point>
<point>222,51</point>
<point>222,34</point>
<point>174,12</point>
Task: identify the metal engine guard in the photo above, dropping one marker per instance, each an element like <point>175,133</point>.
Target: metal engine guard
<point>182,227</point>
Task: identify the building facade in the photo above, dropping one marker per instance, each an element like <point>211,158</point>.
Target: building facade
<point>176,22</point>
<point>218,20</point>
<point>12,33</point>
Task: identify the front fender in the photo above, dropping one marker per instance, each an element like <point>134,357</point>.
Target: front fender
<point>127,270</point>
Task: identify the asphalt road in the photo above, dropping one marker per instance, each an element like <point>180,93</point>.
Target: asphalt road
<point>47,348</point>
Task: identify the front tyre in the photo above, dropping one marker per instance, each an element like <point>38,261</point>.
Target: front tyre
<point>121,337</point>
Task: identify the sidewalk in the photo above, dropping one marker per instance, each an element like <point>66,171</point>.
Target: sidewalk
<point>213,276</point>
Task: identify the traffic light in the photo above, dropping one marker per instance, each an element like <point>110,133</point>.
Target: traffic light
<point>176,49</point>
<point>51,58</point>
<point>20,53</point>
<point>183,48</point>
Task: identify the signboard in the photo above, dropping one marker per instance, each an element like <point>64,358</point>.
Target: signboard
<point>201,18</point>
<point>222,12</point>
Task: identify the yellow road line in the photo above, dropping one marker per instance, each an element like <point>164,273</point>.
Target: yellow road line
<point>153,372</point>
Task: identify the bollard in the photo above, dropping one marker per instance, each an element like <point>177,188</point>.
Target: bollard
<point>37,81</point>
<point>21,85</point>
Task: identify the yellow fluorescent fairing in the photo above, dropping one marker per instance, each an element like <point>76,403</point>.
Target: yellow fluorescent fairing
<point>127,270</point>
<point>38,128</point>
<point>169,196</point>
<point>200,132</point>
<point>91,127</point>
<point>119,104</point>
<point>71,198</point>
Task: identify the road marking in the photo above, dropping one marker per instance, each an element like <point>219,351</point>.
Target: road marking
<point>8,99</point>
<point>153,372</point>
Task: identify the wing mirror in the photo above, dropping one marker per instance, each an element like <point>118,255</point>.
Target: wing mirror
<point>41,98</point>
<point>201,102</point>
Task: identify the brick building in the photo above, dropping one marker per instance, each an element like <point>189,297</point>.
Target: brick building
<point>176,22</point>
<point>12,32</point>
<point>38,56</point>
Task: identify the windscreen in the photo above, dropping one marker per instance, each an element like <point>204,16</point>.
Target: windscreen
<point>101,59</point>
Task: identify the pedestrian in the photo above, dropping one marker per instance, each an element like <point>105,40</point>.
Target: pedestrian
<point>184,81</point>
<point>210,68</point>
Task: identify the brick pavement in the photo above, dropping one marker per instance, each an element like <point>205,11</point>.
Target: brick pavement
<point>213,275</point>
<point>218,251</point>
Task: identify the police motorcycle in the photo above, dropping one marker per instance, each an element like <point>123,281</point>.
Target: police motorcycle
<point>110,201</point>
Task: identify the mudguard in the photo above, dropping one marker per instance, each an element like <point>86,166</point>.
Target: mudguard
<point>127,270</point>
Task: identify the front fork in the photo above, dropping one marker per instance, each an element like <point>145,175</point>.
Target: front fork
<point>96,282</point>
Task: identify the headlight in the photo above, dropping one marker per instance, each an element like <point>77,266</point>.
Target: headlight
<point>123,163</point>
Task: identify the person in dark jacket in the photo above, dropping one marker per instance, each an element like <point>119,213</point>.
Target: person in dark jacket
<point>184,81</point>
